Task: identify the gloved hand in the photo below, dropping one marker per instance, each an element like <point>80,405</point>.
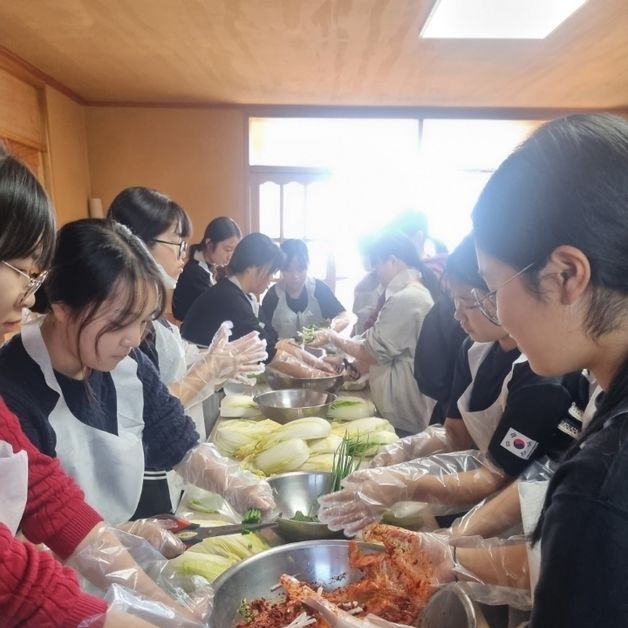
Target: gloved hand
<point>458,479</point>
<point>205,467</point>
<point>115,618</point>
<point>430,441</point>
<point>363,499</point>
<point>405,543</point>
<point>156,532</point>
<point>293,366</point>
<point>108,556</point>
<point>223,360</point>
<point>323,337</point>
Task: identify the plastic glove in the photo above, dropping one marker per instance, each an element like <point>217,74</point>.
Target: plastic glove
<point>115,618</point>
<point>205,467</point>
<point>323,337</point>
<point>156,532</point>
<point>127,608</point>
<point>430,441</point>
<point>108,556</point>
<point>288,364</point>
<point>458,479</point>
<point>222,361</point>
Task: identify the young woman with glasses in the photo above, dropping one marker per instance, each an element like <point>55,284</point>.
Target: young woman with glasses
<point>494,395</point>
<point>36,496</point>
<point>191,376</point>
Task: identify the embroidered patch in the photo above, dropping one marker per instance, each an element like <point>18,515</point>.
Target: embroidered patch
<point>519,444</point>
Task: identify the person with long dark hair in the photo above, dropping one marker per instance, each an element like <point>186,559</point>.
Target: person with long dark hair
<point>206,258</point>
<point>84,392</point>
<point>36,496</point>
<point>235,298</point>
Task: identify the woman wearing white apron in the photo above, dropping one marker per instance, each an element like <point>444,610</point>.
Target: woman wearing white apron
<point>297,300</point>
<point>206,258</point>
<point>235,298</point>
<point>551,230</point>
<point>36,497</point>
<point>386,351</point>
<point>503,417</point>
<point>84,392</point>
<point>164,227</point>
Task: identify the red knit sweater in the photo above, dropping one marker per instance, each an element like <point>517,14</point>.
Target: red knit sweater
<point>36,590</point>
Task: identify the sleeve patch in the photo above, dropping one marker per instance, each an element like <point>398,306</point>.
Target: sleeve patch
<point>518,444</point>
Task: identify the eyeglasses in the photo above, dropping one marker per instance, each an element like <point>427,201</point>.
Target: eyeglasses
<point>487,303</point>
<point>182,246</point>
<point>34,282</point>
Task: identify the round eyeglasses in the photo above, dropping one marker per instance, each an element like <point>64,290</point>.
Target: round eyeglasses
<point>34,281</point>
<point>487,303</point>
<point>182,246</point>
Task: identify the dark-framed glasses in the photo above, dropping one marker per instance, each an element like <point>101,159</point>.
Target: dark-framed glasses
<point>487,303</point>
<point>34,281</point>
<point>182,246</point>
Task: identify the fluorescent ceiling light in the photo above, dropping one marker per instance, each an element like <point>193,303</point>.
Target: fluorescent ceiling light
<point>497,19</point>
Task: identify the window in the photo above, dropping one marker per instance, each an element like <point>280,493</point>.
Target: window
<point>330,181</point>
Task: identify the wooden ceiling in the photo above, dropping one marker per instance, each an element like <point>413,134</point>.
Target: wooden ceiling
<point>312,52</point>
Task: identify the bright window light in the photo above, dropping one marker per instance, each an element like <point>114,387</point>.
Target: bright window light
<point>497,19</point>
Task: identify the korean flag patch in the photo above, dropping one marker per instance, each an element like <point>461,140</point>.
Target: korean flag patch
<point>519,444</point>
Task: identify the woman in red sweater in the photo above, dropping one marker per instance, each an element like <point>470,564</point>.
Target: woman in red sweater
<point>35,494</point>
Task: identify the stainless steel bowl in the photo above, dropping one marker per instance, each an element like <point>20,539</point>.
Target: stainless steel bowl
<point>300,491</point>
<point>279,381</point>
<point>451,607</point>
<point>325,563</point>
<point>287,405</point>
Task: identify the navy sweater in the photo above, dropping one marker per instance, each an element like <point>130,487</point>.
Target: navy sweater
<point>168,432</point>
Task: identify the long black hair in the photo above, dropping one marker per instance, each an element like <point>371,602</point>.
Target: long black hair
<point>93,259</point>
<point>399,245</point>
<point>219,230</point>
<point>27,226</point>
<point>567,185</point>
<point>148,213</point>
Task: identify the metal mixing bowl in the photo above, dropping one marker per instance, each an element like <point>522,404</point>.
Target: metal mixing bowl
<point>286,405</point>
<point>451,607</point>
<point>300,491</point>
<point>279,381</point>
<point>324,563</point>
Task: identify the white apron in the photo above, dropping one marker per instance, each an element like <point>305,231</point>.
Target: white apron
<point>108,467</point>
<point>288,323</point>
<point>482,424</point>
<point>170,351</point>
<point>13,486</point>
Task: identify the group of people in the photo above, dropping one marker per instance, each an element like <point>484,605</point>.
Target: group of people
<point>506,377</point>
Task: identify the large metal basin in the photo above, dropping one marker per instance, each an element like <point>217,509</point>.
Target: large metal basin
<point>287,405</point>
<point>325,563</point>
<point>300,490</point>
<point>279,381</point>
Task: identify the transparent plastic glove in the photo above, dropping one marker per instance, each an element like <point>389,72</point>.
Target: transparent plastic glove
<point>108,556</point>
<point>222,361</point>
<point>115,618</point>
<point>494,571</point>
<point>127,608</point>
<point>430,441</point>
<point>206,467</point>
<point>289,364</point>
<point>323,337</point>
<point>156,532</point>
<point>458,479</point>
<point>344,321</point>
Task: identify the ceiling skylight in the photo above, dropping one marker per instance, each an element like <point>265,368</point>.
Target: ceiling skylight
<point>497,19</point>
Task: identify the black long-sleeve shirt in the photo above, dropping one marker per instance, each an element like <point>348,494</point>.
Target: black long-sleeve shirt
<point>584,543</point>
<point>226,302</point>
